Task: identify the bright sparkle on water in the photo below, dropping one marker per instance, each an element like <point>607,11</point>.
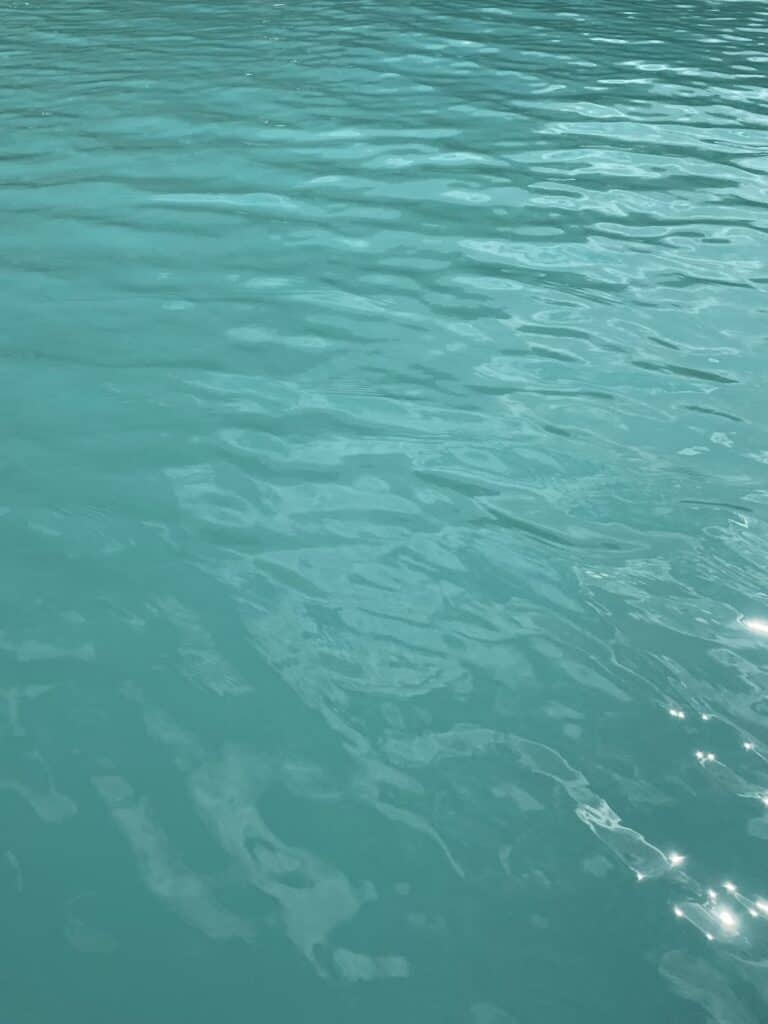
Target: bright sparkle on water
<point>728,919</point>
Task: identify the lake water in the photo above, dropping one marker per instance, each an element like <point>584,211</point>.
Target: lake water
<point>384,519</point>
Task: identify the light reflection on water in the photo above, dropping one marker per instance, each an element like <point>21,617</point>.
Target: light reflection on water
<point>383,525</point>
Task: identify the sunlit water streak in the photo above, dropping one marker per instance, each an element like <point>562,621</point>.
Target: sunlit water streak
<point>385,463</point>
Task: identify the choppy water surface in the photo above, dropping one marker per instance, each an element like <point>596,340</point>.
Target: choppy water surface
<point>384,542</point>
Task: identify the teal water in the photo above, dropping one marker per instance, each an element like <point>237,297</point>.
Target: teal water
<point>384,520</point>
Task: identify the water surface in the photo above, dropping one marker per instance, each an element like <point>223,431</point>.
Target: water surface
<point>384,513</point>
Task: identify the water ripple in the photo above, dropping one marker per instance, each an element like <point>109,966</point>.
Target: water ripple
<point>384,513</point>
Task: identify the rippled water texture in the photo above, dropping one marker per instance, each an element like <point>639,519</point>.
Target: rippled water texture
<point>384,512</point>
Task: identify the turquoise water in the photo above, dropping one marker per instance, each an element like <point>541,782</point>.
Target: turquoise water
<point>385,512</point>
